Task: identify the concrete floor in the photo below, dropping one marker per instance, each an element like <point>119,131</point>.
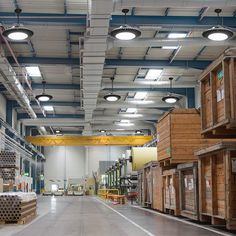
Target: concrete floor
<point>89,216</point>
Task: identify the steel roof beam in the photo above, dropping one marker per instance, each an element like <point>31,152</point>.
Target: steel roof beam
<point>80,19</point>
<point>110,63</point>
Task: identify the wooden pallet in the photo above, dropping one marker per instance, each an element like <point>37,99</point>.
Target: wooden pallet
<point>24,220</point>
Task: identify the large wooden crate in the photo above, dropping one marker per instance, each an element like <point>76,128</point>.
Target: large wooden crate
<point>179,136</point>
<point>217,184</point>
<point>171,191</point>
<point>157,193</point>
<point>188,189</point>
<point>218,98</point>
<point>153,186</point>
<point>140,187</point>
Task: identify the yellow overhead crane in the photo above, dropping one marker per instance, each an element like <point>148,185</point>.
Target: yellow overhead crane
<point>88,140</point>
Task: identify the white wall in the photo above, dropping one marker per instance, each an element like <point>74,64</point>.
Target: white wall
<point>71,161</point>
<point>63,163</point>
<point>103,153</point>
<point>14,119</point>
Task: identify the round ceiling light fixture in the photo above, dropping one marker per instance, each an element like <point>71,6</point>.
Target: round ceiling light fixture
<point>138,132</point>
<point>17,32</point>
<point>170,98</point>
<point>43,97</point>
<point>125,32</point>
<point>218,33</point>
<point>111,97</point>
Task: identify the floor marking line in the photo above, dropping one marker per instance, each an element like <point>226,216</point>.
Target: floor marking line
<point>126,218</point>
<point>184,221</point>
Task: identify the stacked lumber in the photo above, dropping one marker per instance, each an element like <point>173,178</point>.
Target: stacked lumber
<point>17,207</point>
<point>218,98</point>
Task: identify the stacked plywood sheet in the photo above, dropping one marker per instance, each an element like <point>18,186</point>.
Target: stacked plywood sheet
<point>17,207</point>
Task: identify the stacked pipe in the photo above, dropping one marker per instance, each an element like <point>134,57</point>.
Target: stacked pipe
<point>16,207</point>
<point>7,159</point>
<point>8,166</point>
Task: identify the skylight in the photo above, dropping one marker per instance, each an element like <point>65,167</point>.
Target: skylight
<point>153,74</point>
<point>177,35</point>
<point>140,95</point>
<point>33,71</point>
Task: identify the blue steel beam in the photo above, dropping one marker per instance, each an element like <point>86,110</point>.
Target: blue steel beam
<point>199,64</point>
<point>56,86</point>
<point>116,20</point>
<point>56,116</point>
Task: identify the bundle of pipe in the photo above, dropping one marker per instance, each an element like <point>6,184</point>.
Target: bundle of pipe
<point>8,174</point>
<point>8,159</point>
<point>15,207</point>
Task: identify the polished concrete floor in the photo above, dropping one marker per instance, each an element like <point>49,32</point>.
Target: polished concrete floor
<point>89,216</point>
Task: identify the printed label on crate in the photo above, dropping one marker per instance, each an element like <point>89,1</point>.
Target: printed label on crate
<point>234,165</point>
<point>222,93</point>
<point>168,151</point>
<point>190,184</point>
<point>185,183</point>
<point>220,74</point>
<point>208,184</point>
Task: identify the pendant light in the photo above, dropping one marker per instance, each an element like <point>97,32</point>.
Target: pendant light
<point>125,32</point>
<point>218,33</point>
<point>44,97</point>
<point>170,98</point>
<point>112,97</point>
<point>17,32</point>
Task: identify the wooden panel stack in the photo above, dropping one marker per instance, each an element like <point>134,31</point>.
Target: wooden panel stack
<point>218,98</point>
<point>17,207</point>
<point>217,184</point>
<point>152,185</point>
<point>179,135</point>
<point>188,189</point>
<point>171,191</point>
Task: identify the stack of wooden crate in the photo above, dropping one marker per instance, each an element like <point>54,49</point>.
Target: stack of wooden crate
<point>217,163</point>
<point>179,136</point>
<point>17,207</point>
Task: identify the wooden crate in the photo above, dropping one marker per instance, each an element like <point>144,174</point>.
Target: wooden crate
<point>171,191</point>
<point>140,187</point>
<point>157,193</point>
<point>153,186</point>
<point>217,184</point>
<point>218,98</point>
<point>188,189</point>
<point>179,136</point>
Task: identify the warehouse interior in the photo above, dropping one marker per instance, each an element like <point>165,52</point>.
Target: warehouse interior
<point>117,117</point>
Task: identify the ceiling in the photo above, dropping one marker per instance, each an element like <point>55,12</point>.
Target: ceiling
<point>77,57</point>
